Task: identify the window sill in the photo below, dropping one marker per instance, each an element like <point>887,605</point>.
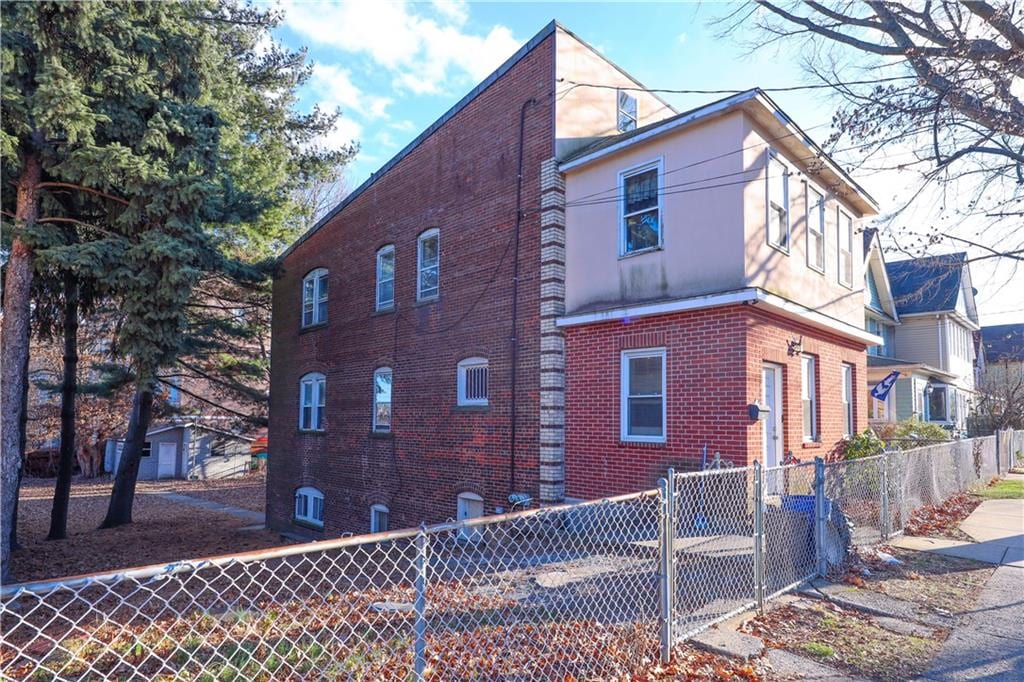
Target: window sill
<point>845,285</point>
<point>651,443</point>
<point>811,444</point>
<point>382,435</point>
<point>780,248</point>
<point>427,300</point>
<point>471,408</point>
<point>383,311</point>
<point>312,327</point>
<point>312,432</point>
<point>641,252</point>
<point>311,525</point>
<point>815,268</point>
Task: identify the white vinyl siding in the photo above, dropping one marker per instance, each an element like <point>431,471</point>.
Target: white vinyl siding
<point>778,203</point>
<point>312,400</point>
<point>309,506</point>
<point>809,397</point>
<point>815,229</point>
<point>642,410</point>
<point>382,380</point>
<point>473,377</point>
<point>314,298</point>
<point>640,210</point>
<point>386,278</point>
<point>428,265</point>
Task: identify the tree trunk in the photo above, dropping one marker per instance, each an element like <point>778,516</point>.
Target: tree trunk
<point>119,512</point>
<point>68,389</point>
<point>14,352</point>
<point>22,447</point>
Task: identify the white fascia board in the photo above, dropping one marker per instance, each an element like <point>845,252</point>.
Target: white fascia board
<point>955,314</point>
<point>703,112</point>
<point>748,296</point>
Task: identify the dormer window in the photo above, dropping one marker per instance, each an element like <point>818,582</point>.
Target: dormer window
<point>627,112</point>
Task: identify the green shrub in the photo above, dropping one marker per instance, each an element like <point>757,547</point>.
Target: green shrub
<point>912,433</point>
<point>864,444</point>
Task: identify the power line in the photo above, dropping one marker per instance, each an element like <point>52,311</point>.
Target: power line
<point>789,88</point>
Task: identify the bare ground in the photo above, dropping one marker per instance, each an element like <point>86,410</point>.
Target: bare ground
<point>162,531</point>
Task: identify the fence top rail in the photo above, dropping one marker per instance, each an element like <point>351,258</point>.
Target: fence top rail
<point>872,458</point>
<point>162,571</point>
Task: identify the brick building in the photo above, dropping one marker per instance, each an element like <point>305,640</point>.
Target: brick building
<point>417,370</point>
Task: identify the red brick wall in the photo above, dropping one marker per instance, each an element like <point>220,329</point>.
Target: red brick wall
<point>461,179</point>
<point>713,362</point>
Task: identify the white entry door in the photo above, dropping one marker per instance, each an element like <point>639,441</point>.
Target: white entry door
<point>771,395</point>
<point>167,458</point>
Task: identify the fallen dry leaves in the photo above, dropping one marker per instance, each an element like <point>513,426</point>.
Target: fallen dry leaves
<point>943,520</point>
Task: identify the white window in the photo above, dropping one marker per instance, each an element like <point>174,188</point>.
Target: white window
<point>642,401</point>
<point>878,410</point>
<point>309,506</point>
<point>815,230</point>
<point>428,251</point>
<point>470,506</point>
<point>778,203</point>
<point>379,517</point>
<point>847,399</point>
<point>382,400</point>
<point>314,297</point>
<point>845,249</point>
<point>472,381</point>
<point>627,111</point>
<point>386,277</point>
<point>312,396</point>
<point>640,224</point>
<point>809,397</point>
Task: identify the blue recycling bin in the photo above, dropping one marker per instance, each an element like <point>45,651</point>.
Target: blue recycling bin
<point>803,505</point>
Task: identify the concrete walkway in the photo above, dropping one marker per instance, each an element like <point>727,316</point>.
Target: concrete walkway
<point>244,514</point>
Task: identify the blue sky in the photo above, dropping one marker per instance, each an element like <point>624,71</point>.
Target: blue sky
<point>392,68</point>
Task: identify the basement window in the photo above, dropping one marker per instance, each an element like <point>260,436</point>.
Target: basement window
<point>309,506</point>
<point>472,381</point>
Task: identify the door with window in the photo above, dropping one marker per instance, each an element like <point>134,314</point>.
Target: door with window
<point>771,432</point>
<point>166,460</point>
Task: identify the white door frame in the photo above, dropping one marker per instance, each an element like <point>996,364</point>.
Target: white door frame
<point>773,425</point>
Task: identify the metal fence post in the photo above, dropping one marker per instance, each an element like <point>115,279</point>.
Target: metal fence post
<point>420,604</point>
<point>820,517</point>
<point>666,565</point>
<point>759,536</point>
<point>886,520</point>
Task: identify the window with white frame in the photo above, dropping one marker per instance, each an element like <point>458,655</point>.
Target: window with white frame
<point>386,277</point>
<point>314,297</point>
<point>428,258</point>
<point>778,203</point>
<point>845,249</point>
<point>309,506</point>
<point>847,387</point>
<point>312,398</point>
<point>815,229</point>
<point>627,111</point>
<point>878,410</point>
<point>809,397</point>
<point>379,517</point>
<point>641,209</point>
<point>382,400</point>
<point>642,400</point>
<point>937,403</point>
<point>473,374</point>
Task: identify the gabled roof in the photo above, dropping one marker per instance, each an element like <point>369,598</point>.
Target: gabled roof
<point>869,236</point>
<point>1003,342</point>
<point>926,285</point>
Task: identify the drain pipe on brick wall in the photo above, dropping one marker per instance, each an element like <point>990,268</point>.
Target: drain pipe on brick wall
<point>515,299</point>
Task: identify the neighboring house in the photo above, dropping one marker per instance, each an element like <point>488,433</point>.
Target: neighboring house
<point>189,449</point>
<point>711,265</point>
<point>933,345</point>
<point>1003,353</point>
<point>417,371</point>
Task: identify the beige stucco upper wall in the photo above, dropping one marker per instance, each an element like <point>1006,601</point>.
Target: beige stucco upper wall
<point>788,274</point>
<point>702,227</point>
<point>714,213</point>
<point>585,113</point>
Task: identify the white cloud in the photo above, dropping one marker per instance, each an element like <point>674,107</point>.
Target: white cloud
<point>682,38</point>
<point>405,125</point>
<point>334,88</point>
<point>345,131</point>
<point>422,52</point>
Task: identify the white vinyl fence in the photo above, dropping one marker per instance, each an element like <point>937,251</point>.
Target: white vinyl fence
<point>601,589</point>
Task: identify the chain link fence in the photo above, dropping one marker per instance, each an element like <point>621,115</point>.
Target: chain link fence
<point>600,589</point>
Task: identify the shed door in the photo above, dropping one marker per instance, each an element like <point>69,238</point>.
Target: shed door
<point>167,458</point>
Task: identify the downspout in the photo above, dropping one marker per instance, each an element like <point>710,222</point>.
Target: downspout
<point>515,298</point>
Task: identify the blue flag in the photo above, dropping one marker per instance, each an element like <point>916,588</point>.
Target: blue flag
<point>882,388</point>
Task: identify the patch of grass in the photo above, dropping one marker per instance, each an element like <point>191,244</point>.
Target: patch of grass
<point>818,649</point>
<point>1006,489</point>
